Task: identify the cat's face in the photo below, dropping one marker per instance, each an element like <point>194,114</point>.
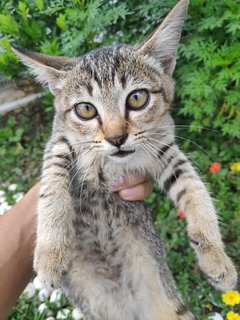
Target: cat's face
<point>114,103</point>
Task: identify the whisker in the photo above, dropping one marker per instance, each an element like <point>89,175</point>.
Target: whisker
<point>197,145</point>
<point>179,137</point>
<point>165,163</point>
<point>195,167</point>
<point>180,126</point>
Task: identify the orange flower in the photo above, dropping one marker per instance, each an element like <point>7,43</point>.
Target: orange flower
<point>214,167</point>
<point>181,214</point>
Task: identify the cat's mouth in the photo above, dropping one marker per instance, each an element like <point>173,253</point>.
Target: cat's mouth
<point>122,153</point>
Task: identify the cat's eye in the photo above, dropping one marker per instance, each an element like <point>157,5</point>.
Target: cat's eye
<point>85,111</point>
<point>137,99</point>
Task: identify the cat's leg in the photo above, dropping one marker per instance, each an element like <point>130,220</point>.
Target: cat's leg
<point>165,302</point>
<point>183,185</point>
<point>54,227</point>
<point>170,305</point>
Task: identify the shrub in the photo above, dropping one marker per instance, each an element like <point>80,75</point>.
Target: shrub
<point>54,27</point>
<point>208,69</point>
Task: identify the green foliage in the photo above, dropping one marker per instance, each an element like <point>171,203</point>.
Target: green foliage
<point>28,310</point>
<point>10,137</point>
<point>23,137</point>
<point>208,69</point>
<point>207,92</point>
<point>54,27</point>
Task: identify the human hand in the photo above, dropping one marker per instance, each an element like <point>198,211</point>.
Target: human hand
<point>133,187</point>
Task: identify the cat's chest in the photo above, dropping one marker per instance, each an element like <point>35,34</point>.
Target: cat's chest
<point>100,222</point>
<point>97,217</point>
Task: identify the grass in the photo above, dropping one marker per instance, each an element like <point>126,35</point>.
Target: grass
<point>24,134</point>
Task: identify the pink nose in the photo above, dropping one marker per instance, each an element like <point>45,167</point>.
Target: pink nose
<point>117,141</point>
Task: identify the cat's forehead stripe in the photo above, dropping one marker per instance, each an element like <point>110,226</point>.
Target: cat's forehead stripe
<point>118,63</point>
<point>103,64</point>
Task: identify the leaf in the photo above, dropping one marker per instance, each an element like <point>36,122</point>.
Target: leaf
<point>8,25</point>
<point>61,22</point>
<point>50,47</point>
<point>39,5</point>
<point>23,8</point>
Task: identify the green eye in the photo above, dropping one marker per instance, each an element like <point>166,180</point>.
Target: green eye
<point>85,111</point>
<point>137,99</point>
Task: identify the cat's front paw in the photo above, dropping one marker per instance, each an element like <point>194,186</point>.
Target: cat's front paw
<point>214,263</point>
<point>51,264</point>
<point>218,269</point>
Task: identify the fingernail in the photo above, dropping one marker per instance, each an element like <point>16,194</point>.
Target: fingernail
<point>126,193</point>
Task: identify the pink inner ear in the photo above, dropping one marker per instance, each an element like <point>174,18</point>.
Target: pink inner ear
<point>168,64</point>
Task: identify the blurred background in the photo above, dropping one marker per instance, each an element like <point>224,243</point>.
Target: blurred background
<point>206,111</point>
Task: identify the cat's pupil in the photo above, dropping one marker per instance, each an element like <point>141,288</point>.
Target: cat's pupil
<point>138,99</point>
<point>85,111</point>
<point>136,96</point>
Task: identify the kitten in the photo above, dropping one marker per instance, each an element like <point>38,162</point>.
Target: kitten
<point>112,118</point>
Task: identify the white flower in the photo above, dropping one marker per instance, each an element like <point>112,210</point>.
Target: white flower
<point>38,284</point>
<point>29,291</point>
<point>56,297</point>
<point>2,198</point>
<point>12,187</point>
<point>18,196</point>
<point>112,2</point>
<point>4,206</point>
<point>50,318</point>
<point>215,316</point>
<point>48,30</point>
<point>77,314</point>
<point>99,38</point>
<point>44,308</point>
<point>119,33</point>
<point>43,294</point>
<point>63,314</point>
<point>2,193</point>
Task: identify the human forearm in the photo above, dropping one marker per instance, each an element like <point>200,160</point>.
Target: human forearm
<point>17,236</point>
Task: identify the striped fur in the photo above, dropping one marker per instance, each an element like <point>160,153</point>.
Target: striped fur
<point>105,252</point>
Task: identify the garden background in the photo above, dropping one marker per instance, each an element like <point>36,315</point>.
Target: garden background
<point>206,111</point>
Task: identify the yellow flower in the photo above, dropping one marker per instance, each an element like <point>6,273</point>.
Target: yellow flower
<point>233,316</point>
<point>231,298</point>
<point>235,166</point>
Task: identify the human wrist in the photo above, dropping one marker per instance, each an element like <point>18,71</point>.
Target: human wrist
<point>27,210</point>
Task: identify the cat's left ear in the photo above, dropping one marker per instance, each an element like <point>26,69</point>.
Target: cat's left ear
<point>49,70</point>
<point>161,45</point>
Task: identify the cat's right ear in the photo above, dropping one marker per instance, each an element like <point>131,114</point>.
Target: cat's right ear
<point>49,70</point>
<point>161,46</point>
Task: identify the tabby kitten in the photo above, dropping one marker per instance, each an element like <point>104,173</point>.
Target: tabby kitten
<point>112,118</point>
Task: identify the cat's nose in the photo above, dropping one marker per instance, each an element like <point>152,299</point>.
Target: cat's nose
<point>117,141</point>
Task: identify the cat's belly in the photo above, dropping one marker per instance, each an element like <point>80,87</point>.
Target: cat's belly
<point>113,273</point>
